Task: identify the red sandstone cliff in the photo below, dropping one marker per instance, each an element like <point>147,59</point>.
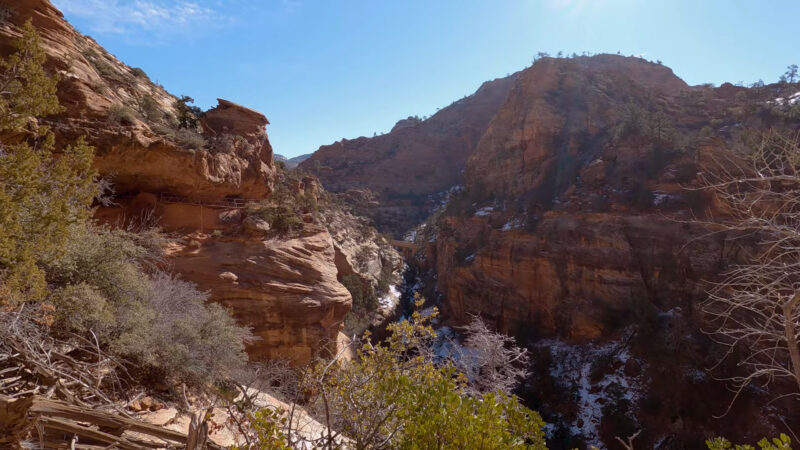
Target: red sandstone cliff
<point>576,202</point>
<point>577,229</point>
<point>139,151</point>
<point>185,181</point>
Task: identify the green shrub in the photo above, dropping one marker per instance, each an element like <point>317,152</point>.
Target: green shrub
<point>98,86</point>
<point>307,203</point>
<point>83,308</point>
<point>150,109</point>
<point>280,218</point>
<point>393,396</point>
<point>781,443</point>
<point>160,323</point>
<point>190,138</point>
<point>138,72</point>
<point>121,114</point>
<point>186,113</point>
<point>364,298</point>
<point>102,67</point>
<point>386,278</point>
<point>101,282</point>
<point>182,136</point>
<point>41,194</point>
<point>185,336</point>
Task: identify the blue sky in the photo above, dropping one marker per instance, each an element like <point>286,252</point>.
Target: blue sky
<point>324,70</point>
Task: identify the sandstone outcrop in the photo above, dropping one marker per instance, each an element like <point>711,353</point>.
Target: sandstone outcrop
<point>576,272</point>
<point>193,182</point>
<point>128,118</point>
<point>558,118</point>
<point>578,227</point>
<point>285,288</point>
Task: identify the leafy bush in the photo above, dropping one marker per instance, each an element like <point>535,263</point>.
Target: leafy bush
<point>98,86</point>
<point>781,443</point>
<point>96,280</point>
<point>394,396</point>
<point>138,72</point>
<point>308,203</point>
<point>40,194</point>
<point>182,136</point>
<point>122,114</point>
<point>102,68</point>
<point>386,278</point>
<point>190,138</point>
<point>185,336</point>
<point>364,298</point>
<point>282,219</point>
<point>637,121</point>
<point>187,114</point>
<point>159,322</point>
<point>150,109</point>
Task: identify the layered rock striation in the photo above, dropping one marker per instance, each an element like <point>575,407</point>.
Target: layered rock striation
<point>193,180</point>
<point>284,287</point>
<point>582,198</point>
<point>131,121</point>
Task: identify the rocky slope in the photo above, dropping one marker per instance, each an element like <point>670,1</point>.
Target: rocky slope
<point>416,159</point>
<point>576,197</point>
<point>578,217</point>
<point>129,118</point>
<point>193,181</point>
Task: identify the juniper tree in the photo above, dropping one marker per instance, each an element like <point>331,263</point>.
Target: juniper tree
<point>42,191</point>
<point>791,74</point>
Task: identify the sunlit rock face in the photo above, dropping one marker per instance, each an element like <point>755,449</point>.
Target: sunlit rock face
<point>285,287</point>
<point>135,152</point>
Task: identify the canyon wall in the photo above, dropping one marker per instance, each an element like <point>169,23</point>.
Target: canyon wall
<point>581,199</point>
<point>194,183</point>
<point>582,230</point>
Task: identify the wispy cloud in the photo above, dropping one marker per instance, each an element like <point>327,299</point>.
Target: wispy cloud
<point>145,21</point>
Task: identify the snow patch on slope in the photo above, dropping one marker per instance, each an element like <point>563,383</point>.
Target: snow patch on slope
<point>595,373</point>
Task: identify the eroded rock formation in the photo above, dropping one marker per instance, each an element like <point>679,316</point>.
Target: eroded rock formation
<point>193,181</point>
<point>581,225</point>
<point>285,288</point>
<point>576,203</point>
<point>130,119</point>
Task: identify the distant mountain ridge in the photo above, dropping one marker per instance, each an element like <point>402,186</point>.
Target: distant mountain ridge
<point>291,163</point>
<point>415,160</point>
